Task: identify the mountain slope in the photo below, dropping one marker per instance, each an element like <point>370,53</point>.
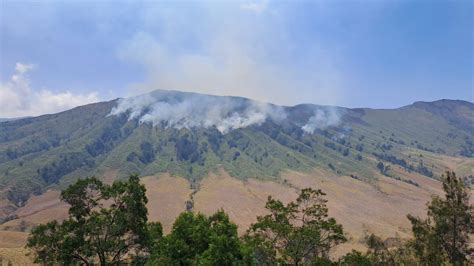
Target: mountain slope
<point>191,135</point>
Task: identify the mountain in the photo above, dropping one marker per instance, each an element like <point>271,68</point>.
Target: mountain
<point>201,144</point>
<point>189,135</point>
<point>10,119</point>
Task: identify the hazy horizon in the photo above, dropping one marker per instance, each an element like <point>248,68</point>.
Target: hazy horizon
<point>57,55</point>
<point>2,119</point>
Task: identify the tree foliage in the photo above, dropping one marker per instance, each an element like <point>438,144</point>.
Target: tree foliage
<point>106,224</point>
<point>199,240</point>
<point>299,232</point>
<point>445,233</point>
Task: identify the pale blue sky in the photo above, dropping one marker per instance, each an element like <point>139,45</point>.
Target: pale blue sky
<point>350,53</point>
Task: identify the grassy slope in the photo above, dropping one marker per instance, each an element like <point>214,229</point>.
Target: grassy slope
<point>54,150</point>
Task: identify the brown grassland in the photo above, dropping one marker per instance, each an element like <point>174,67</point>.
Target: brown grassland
<point>361,207</point>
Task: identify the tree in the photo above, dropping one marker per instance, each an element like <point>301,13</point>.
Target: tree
<point>106,224</point>
<point>377,251</point>
<point>445,233</point>
<point>383,168</point>
<point>197,239</point>
<point>224,243</point>
<point>299,232</point>
<point>355,258</point>
<point>188,238</point>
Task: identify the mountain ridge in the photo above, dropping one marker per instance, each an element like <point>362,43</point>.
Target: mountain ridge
<point>414,104</point>
<point>248,139</point>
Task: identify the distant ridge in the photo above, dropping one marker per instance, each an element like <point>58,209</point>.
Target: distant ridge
<point>11,119</point>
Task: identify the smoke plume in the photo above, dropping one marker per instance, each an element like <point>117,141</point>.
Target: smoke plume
<point>190,110</point>
<point>322,118</point>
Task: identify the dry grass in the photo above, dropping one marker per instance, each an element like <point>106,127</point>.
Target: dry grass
<point>6,207</point>
<point>166,198</point>
<point>15,256</point>
<point>11,239</point>
<point>360,207</point>
<point>363,208</point>
<point>243,201</point>
<point>12,248</point>
<point>38,209</point>
<point>109,176</point>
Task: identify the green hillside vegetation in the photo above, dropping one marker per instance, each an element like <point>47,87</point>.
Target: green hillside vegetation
<point>108,225</point>
<point>54,150</point>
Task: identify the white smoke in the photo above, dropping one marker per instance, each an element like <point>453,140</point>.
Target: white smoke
<point>172,109</point>
<point>188,110</point>
<point>322,118</point>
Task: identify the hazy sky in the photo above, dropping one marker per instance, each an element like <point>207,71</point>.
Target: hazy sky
<point>58,54</point>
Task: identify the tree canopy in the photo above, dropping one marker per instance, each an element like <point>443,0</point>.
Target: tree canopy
<point>444,235</point>
<point>199,240</point>
<point>299,232</point>
<point>106,224</point>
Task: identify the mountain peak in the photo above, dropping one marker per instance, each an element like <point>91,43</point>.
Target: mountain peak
<point>443,103</point>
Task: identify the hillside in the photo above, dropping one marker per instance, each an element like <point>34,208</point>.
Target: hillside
<point>39,152</point>
<point>232,152</point>
<point>53,150</point>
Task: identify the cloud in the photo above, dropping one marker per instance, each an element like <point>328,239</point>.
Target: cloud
<point>21,68</point>
<point>18,99</point>
<point>255,6</point>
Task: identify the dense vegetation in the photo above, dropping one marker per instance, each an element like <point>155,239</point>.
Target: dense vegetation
<point>108,224</point>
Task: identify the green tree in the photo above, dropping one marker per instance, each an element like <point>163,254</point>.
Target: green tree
<point>107,224</point>
<point>199,240</point>
<point>189,237</point>
<point>445,233</point>
<point>224,243</point>
<point>355,258</point>
<point>296,233</point>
